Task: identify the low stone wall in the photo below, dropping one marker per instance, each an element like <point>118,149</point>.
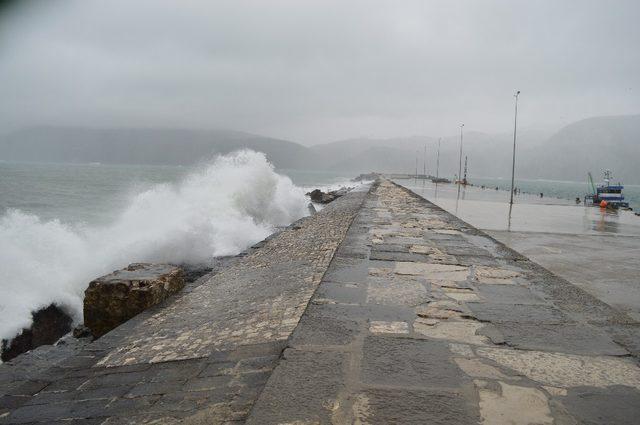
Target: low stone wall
<point>115,298</point>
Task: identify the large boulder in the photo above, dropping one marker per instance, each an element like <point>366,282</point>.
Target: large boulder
<point>115,298</point>
<point>49,325</point>
<point>320,197</point>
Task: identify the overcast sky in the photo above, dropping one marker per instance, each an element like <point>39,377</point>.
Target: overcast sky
<point>317,71</point>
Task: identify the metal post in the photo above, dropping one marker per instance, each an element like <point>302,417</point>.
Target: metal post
<point>513,163</point>
<point>438,159</point>
<point>424,164</point>
<point>460,157</point>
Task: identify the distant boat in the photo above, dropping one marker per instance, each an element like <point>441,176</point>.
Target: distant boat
<point>606,194</point>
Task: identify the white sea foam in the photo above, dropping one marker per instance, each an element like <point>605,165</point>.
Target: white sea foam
<point>219,209</point>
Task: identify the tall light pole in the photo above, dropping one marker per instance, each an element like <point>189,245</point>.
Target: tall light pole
<point>424,163</point>
<point>513,162</point>
<point>460,157</point>
<point>438,160</point>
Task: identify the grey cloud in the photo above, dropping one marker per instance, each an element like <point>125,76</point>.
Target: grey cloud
<point>317,71</point>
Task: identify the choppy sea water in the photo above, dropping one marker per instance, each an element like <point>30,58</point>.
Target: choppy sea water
<point>61,225</point>
<point>557,188</point>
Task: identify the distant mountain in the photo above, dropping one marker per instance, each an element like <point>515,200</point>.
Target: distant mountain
<point>141,146</point>
<point>363,155</point>
<point>592,144</point>
<point>488,155</point>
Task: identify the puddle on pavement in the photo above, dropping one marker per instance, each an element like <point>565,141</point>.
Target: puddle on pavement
<point>513,405</point>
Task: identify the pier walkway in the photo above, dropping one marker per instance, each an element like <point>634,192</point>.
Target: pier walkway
<point>380,309</point>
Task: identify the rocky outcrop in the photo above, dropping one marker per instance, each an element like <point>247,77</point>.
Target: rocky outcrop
<point>366,177</point>
<point>115,298</point>
<point>49,325</point>
<point>320,197</point>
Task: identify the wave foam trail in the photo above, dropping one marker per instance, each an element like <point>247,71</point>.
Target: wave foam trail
<point>219,209</point>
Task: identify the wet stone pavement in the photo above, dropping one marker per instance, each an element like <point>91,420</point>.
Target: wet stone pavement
<point>203,356</point>
<point>422,319</point>
<point>381,309</point>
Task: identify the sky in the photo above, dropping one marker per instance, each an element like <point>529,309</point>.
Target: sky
<point>317,71</point>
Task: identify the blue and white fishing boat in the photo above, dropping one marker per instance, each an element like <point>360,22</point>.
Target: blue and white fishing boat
<point>606,194</point>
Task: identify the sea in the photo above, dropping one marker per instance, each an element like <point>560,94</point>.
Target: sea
<point>568,190</point>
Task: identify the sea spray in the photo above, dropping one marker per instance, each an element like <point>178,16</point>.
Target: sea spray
<point>219,209</point>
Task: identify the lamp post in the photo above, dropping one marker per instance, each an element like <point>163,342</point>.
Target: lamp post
<point>460,157</point>
<point>513,162</point>
<point>424,163</point>
<point>438,160</point>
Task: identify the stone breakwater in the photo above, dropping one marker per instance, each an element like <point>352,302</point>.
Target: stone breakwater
<point>203,355</point>
<point>382,308</point>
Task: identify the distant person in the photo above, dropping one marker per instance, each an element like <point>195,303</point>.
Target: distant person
<point>541,194</point>
<point>578,201</point>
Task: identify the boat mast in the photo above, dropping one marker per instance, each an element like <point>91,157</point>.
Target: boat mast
<point>593,186</point>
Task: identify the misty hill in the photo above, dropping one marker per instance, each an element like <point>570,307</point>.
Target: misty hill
<point>364,155</point>
<point>141,146</point>
<point>592,144</point>
<point>488,155</point>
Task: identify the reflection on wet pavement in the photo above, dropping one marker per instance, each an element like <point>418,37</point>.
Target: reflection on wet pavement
<point>592,248</point>
<point>488,209</point>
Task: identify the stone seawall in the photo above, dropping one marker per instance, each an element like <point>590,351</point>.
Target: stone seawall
<point>211,347</point>
<point>381,309</point>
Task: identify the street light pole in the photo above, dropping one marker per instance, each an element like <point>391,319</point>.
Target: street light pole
<point>513,162</point>
<point>424,163</point>
<point>438,160</point>
<point>460,157</point>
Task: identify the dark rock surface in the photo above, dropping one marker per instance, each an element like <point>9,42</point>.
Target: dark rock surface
<point>49,325</point>
<point>321,197</point>
<point>366,176</point>
<point>115,298</point>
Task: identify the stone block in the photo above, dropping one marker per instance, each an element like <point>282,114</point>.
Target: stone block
<point>115,298</point>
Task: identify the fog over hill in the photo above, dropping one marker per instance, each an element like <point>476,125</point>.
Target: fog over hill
<point>592,145</point>
<point>141,146</point>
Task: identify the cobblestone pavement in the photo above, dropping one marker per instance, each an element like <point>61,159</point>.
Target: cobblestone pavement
<point>422,319</point>
<point>201,357</point>
<point>415,318</point>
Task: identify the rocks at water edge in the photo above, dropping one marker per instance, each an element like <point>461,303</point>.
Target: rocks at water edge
<point>321,197</point>
<point>366,176</point>
<point>115,298</point>
<point>49,325</point>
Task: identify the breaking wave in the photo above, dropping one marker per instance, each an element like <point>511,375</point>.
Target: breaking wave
<point>219,209</point>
